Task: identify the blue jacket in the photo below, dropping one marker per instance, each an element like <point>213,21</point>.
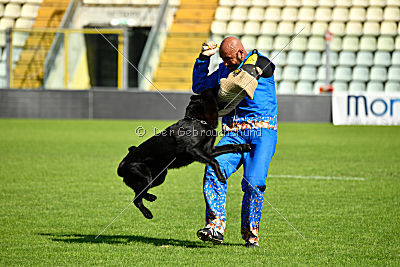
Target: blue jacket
<point>261,112</point>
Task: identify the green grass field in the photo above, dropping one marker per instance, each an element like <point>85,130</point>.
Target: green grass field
<point>59,189</point>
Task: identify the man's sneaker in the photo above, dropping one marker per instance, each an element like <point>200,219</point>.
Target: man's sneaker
<point>209,234</point>
<point>250,244</point>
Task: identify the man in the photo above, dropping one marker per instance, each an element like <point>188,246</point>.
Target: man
<point>253,122</point>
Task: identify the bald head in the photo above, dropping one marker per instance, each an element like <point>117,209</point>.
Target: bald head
<point>232,52</point>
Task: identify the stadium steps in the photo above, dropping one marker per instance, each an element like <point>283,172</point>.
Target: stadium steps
<point>28,72</point>
<point>190,28</point>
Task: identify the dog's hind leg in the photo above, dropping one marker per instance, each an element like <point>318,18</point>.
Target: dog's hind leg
<point>139,204</point>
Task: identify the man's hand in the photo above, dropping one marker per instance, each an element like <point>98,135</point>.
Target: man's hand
<point>209,48</point>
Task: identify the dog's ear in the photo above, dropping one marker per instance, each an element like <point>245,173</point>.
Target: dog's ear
<point>210,107</point>
<point>132,148</point>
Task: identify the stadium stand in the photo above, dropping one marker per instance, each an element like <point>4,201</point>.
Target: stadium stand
<point>365,50</point>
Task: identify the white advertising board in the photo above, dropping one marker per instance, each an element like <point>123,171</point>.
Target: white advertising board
<point>366,108</point>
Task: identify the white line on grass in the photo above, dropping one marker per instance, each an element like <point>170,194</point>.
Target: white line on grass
<point>317,177</point>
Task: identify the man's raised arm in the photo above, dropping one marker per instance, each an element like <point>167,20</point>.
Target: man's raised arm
<point>200,79</point>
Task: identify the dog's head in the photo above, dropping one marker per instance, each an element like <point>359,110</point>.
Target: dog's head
<point>204,107</point>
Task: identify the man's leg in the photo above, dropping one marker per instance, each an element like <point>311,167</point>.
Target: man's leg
<point>256,164</point>
<point>215,191</point>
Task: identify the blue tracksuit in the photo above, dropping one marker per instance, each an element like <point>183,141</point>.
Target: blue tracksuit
<point>253,122</point>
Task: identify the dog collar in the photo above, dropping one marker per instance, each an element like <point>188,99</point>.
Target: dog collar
<point>195,119</point>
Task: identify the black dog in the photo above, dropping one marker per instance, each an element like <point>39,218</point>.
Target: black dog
<point>190,139</point>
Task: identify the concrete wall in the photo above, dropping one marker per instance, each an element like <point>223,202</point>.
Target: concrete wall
<point>112,104</point>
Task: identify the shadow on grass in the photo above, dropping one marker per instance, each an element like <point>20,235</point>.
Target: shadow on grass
<point>124,239</point>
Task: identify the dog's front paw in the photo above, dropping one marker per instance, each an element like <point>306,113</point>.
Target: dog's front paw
<point>150,197</point>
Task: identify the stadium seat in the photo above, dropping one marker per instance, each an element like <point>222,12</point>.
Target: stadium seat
<point>322,73</point>
<point>319,28</point>
<point>259,3</point>
<point>382,58</point>
<point>6,23</point>
<point>286,87</point>
<point>391,14</point>
<point>377,3</point>
<point>326,3</point>
<point>308,73</point>
<point>312,58</point>
<point>290,73</point>
<point>371,28</point>
<point>385,43</point>
<point>272,14</point>
<point>268,27</point>
<point>344,3</point>
<point>1,10</point>
<point>393,3</point>
<point>339,86</point>
<point>302,28</point>
<point>278,74</point>
<point>216,38</point>
<point>299,44</point>
<point>394,74</point>
<point>309,3</point>
<point>289,14</point>
<point>343,74</point>
<point>323,13</point>
<point>285,28</point>
<point>223,13</point>
<point>357,14</point>
<point>252,27</point>
<point>304,87</point>
<point>19,38</point>
<point>218,27</point>
<point>277,58</point>
<point>276,3</point>
<point>347,58</point>
<point>340,14</point>
<point>368,43</point>
<point>264,42</point>
<point>357,87</point>
<point>16,53</point>
<point>350,43</point>
<point>306,14</point>
<point>12,10</point>
<point>293,3</point>
<point>337,28</point>
<point>24,23</point>
<point>256,13</point>
<point>227,2</point>
<point>316,43</point>
<point>374,14</point>
<point>360,3</point>
<point>378,74</point>
<point>354,28</point>
<point>333,58</point>
<point>336,44</point>
<point>3,72</point>
<point>281,42</point>
<point>244,3</point>
<point>360,74</point>
<point>239,13</point>
<point>388,28</point>
<point>396,58</point>
<point>295,58</point>
<point>374,87</point>
<point>249,42</point>
<point>392,87</point>
<point>397,43</point>
<point>235,27</point>
<point>29,11</point>
<point>364,58</point>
